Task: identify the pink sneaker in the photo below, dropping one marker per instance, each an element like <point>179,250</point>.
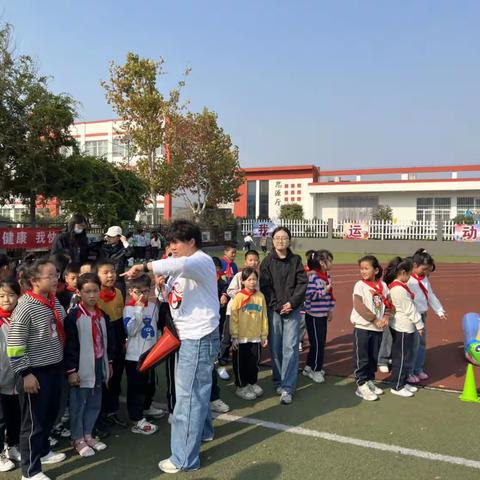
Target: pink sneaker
<point>412,379</point>
<point>423,376</point>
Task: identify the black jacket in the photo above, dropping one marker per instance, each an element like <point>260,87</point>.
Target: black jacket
<point>117,253</point>
<point>283,280</point>
<point>75,245</point>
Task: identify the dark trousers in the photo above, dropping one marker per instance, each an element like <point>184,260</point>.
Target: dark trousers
<point>403,356</point>
<point>110,395</point>
<point>226,340</point>
<point>317,336</point>
<point>140,390</point>
<point>170,366</point>
<point>9,420</point>
<point>245,364</point>
<point>366,345</point>
<point>38,412</point>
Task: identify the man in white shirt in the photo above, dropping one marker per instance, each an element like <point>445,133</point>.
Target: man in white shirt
<point>196,318</point>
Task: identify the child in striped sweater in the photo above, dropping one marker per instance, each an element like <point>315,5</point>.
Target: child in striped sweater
<point>319,305</point>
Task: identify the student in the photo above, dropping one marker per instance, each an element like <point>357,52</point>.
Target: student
<point>229,267</point>
<point>404,325</point>
<point>248,242</point>
<point>420,285</point>
<point>319,305</point>
<point>35,348</point>
<point>155,245</point>
<point>370,315</point>
<point>9,404</point>
<point>264,244</point>
<point>87,364</point>
<point>224,300</point>
<point>6,270</point>
<point>112,303</point>
<point>249,331</point>
<point>140,318</point>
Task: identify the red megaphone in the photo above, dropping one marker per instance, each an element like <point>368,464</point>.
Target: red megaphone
<point>167,344</point>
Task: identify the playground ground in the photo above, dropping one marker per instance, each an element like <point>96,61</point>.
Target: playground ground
<point>328,432</point>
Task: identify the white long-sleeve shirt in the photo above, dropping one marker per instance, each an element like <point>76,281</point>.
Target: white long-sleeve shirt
<point>192,293</point>
<point>407,318</point>
<point>421,301</point>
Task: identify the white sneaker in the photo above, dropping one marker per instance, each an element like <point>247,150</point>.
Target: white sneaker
<point>219,406</point>
<point>13,453</point>
<point>364,392</point>
<point>278,390</point>
<point>317,377</point>
<point>256,389</point>
<point>167,466</point>
<point>285,398</point>
<point>222,373</point>
<point>52,457</point>
<point>306,371</point>
<point>5,464</point>
<point>383,368</point>
<point>373,388</point>
<point>38,476</point>
<point>154,412</point>
<point>245,393</point>
<point>411,388</point>
<point>144,427</point>
<point>404,392</point>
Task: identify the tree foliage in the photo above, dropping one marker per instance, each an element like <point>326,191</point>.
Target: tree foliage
<point>383,213</point>
<point>291,211</point>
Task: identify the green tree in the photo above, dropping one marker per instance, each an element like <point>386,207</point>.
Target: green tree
<point>205,169</point>
<point>291,211</point>
<point>133,93</point>
<point>383,213</point>
<point>34,130</point>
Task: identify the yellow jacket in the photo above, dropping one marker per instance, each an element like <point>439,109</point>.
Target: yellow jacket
<point>114,308</point>
<point>250,322</point>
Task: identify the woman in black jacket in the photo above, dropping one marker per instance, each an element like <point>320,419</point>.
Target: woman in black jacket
<point>283,281</point>
<point>73,242</point>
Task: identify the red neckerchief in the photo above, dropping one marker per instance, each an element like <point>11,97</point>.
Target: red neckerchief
<point>220,275</point>
<point>305,267</point>
<point>4,317</point>
<point>108,294</point>
<point>70,289</point>
<point>398,283</point>
<point>324,276</point>
<point>419,279</point>
<point>95,318</point>
<point>378,287</point>
<point>248,296</point>
<point>228,271</point>
<point>50,303</point>
<point>132,303</point>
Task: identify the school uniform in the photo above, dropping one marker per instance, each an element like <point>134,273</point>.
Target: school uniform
<point>35,346</point>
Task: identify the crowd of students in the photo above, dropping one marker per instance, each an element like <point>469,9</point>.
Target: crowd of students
<point>68,333</point>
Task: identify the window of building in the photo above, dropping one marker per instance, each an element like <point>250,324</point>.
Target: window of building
<point>431,209</point>
<point>356,209</point>
<point>98,148</point>
<point>263,207</point>
<point>468,204</point>
<point>6,212</point>
<point>251,199</point>
<point>119,148</point>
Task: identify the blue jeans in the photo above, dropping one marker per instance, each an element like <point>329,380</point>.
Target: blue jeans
<point>192,420</point>
<point>420,347</point>
<point>85,406</point>
<point>283,337</point>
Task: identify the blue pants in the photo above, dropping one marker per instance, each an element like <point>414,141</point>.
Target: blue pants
<point>192,419</point>
<point>420,348</point>
<point>283,337</point>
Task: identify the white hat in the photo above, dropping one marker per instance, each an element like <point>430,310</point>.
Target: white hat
<point>114,232</point>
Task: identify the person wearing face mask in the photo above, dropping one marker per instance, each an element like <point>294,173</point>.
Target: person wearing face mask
<point>73,242</point>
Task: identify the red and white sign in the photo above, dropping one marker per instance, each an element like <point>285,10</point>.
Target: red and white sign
<point>28,238</point>
<point>355,231</point>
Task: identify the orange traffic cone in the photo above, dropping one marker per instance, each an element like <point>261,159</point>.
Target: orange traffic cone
<point>166,345</point>
<point>469,393</point>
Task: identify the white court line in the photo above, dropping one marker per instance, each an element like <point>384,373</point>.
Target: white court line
<point>333,437</point>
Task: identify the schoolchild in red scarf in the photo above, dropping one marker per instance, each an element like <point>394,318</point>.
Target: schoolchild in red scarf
<point>35,347</point>
<point>319,305</point>
<point>9,404</point>
<point>249,332</point>
<point>229,267</point>
<point>405,325</point>
<point>111,301</point>
<point>370,316</point>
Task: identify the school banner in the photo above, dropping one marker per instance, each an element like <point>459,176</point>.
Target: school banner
<point>28,238</point>
<point>355,231</point>
<point>467,233</point>
<point>263,229</point>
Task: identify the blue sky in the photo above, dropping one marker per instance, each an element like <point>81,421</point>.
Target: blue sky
<point>338,84</point>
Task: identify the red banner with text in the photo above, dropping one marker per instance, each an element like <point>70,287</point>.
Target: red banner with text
<point>28,238</point>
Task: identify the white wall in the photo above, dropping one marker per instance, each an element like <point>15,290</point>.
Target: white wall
<point>276,201</point>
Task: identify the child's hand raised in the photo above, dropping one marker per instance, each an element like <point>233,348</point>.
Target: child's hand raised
<point>140,301</point>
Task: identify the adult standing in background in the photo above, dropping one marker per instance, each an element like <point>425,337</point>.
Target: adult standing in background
<point>284,282</point>
<point>73,242</point>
